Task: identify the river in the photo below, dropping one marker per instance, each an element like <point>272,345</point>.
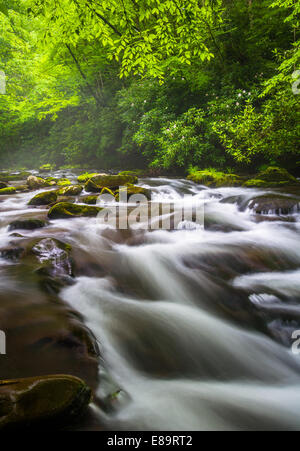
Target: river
<point>194,325</point>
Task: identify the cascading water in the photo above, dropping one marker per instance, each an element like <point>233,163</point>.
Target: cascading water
<point>194,325</point>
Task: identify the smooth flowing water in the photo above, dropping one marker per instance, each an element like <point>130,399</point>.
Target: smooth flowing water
<point>194,325</point>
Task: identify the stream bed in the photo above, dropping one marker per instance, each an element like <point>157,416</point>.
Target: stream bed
<point>194,326</point>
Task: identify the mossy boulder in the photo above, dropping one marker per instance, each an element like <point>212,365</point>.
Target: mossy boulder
<point>214,178</point>
<point>66,210</point>
<point>34,182</point>
<point>90,200</point>
<point>113,182</point>
<point>133,173</point>
<point>11,177</point>
<point>45,198</point>
<point>73,190</point>
<point>131,190</point>
<point>8,190</point>
<point>83,178</point>
<point>272,177</point>
<point>63,182</point>
<point>47,168</point>
<point>27,224</point>
<point>3,185</point>
<point>275,204</point>
<point>42,401</point>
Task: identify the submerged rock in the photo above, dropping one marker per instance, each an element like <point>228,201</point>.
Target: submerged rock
<point>65,210</point>
<point>113,182</point>
<point>37,182</point>
<point>27,224</point>
<point>275,204</point>
<point>43,401</point>
<point>7,191</point>
<point>73,190</point>
<point>45,198</point>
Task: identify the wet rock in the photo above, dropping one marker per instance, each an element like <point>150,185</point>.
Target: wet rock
<point>27,224</point>
<point>22,188</point>
<point>74,190</point>
<point>8,190</point>
<point>272,177</point>
<point>12,253</point>
<point>47,168</point>
<point>34,182</point>
<point>113,182</point>
<point>275,204</point>
<point>83,178</point>
<point>131,190</point>
<point>3,185</point>
<point>214,178</point>
<point>65,210</point>
<point>10,176</point>
<point>43,401</point>
<point>45,198</point>
<point>90,200</point>
<point>63,182</point>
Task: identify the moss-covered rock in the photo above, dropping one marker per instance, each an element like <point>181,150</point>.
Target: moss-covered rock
<point>214,178</point>
<point>3,185</point>
<point>11,177</point>
<point>272,177</point>
<point>275,204</point>
<point>34,182</point>
<point>113,182</point>
<point>27,224</point>
<point>49,400</point>
<point>47,168</point>
<point>8,190</point>
<point>90,200</point>
<point>133,173</point>
<point>63,182</point>
<point>22,188</point>
<point>65,210</point>
<point>45,198</point>
<point>73,190</point>
<point>83,178</point>
<point>131,190</point>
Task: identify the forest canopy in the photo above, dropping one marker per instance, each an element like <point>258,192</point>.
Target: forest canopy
<point>166,84</point>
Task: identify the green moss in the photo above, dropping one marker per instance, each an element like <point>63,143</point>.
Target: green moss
<point>73,190</point>
<point>133,173</point>
<point>37,182</point>
<point>90,200</point>
<point>9,177</point>
<point>132,189</point>
<point>63,182</point>
<point>113,182</point>
<point>45,198</point>
<point>83,178</point>
<point>8,190</point>
<point>256,183</point>
<point>65,210</point>
<point>272,177</point>
<point>47,167</point>
<point>210,177</point>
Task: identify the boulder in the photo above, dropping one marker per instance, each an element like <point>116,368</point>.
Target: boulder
<point>90,200</point>
<point>27,224</point>
<point>7,191</point>
<point>37,182</point>
<point>132,190</point>
<point>63,182</point>
<point>65,210</point>
<point>272,177</point>
<point>275,204</point>
<point>214,178</point>
<point>113,182</point>
<point>45,198</point>
<point>42,401</point>
<point>73,190</point>
<point>83,178</point>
